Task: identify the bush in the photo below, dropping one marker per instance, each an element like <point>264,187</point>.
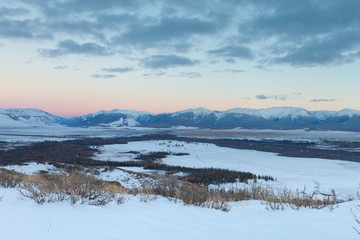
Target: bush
<point>286,198</point>
<point>188,193</point>
<point>76,187</point>
<point>10,179</point>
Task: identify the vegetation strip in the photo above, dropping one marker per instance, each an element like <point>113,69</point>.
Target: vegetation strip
<point>76,187</point>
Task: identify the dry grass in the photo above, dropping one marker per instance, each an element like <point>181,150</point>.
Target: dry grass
<point>174,190</point>
<point>10,179</point>
<point>199,195</point>
<point>74,187</point>
<point>77,187</point>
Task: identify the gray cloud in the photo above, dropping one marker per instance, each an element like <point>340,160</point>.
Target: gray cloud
<point>233,52</point>
<point>118,70</point>
<point>336,48</point>
<point>230,60</point>
<point>323,100</point>
<point>153,32</point>
<point>154,74</point>
<point>262,97</point>
<point>305,33</point>
<point>168,61</point>
<point>280,97</point>
<point>77,28</point>
<point>60,8</point>
<point>297,33</point>
<point>189,74</point>
<point>230,70</point>
<point>4,11</point>
<point>23,29</point>
<point>105,76</point>
<point>71,47</point>
<point>61,67</point>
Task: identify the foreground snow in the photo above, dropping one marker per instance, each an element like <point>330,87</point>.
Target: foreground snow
<point>23,219</point>
<point>162,219</point>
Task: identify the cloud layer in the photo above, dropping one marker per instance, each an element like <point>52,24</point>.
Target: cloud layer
<point>168,34</point>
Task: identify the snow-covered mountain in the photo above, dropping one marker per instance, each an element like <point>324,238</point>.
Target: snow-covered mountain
<point>27,117</point>
<point>113,118</point>
<point>270,118</point>
<point>273,113</point>
<point>347,112</point>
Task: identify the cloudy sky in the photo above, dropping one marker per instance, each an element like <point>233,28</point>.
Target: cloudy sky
<point>72,57</point>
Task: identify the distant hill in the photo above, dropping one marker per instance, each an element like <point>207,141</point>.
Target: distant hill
<point>27,117</point>
<point>270,118</point>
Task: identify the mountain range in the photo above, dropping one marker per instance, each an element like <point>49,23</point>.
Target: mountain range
<point>270,118</point>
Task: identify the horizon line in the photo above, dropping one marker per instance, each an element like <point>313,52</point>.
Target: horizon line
<point>156,113</point>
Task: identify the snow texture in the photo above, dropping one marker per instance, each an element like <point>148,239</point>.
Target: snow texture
<point>162,219</point>
<point>294,173</point>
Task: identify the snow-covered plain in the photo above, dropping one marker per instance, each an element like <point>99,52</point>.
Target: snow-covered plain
<point>162,219</point>
<point>60,133</point>
<point>270,134</point>
<point>294,173</point>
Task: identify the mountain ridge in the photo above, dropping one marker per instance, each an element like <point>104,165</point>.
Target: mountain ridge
<point>266,118</point>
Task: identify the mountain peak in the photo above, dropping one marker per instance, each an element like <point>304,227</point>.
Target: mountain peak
<point>196,111</point>
<point>272,113</point>
<point>348,112</point>
<point>122,111</point>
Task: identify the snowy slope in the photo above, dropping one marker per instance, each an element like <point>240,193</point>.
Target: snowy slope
<point>131,113</point>
<point>27,117</point>
<point>272,113</point>
<point>161,219</point>
<point>269,113</point>
<point>113,118</point>
<point>195,111</point>
<point>347,112</point>
<point>322,115</point>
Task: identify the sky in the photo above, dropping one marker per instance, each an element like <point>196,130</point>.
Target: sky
<point>73,57</point>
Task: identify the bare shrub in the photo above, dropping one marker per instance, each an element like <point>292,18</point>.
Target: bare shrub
<point>76,187</point>
<point>9,178</point>
<point>121,199</point>
<point>189,193</point>
<point>356,214</point>
<point>280,199</point>
<point>199,195</point>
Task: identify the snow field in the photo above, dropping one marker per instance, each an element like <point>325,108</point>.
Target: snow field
<point>162,219</point>
<point>293,173</point>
